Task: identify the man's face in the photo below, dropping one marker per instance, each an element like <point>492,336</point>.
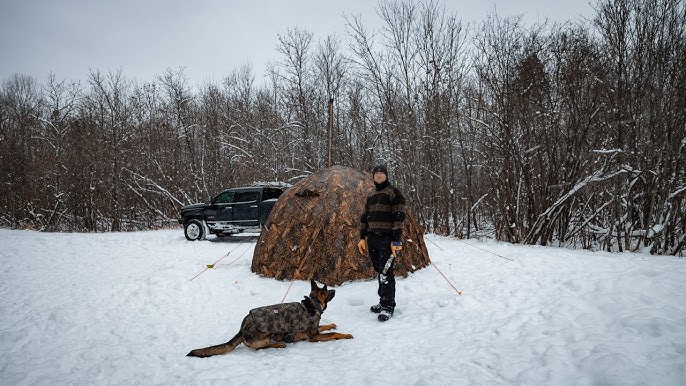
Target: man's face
<point>379,177</point>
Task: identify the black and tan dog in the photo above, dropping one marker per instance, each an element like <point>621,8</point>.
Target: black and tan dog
<point>274,326</point>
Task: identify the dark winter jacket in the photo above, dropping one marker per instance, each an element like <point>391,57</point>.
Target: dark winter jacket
<point>384,212</point>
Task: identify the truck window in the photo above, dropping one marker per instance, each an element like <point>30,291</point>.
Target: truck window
<point>246,196</point>
<point>224,198</point>
<point>271,193</point>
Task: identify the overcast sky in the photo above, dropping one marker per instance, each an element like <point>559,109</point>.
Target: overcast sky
<point>208,38</point>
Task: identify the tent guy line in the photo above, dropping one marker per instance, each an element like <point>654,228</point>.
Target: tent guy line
<point>222,258</point>
<point>473,246</point>
<point>485,250</point>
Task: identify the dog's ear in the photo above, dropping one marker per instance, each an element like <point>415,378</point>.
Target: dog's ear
<point>313,285</point>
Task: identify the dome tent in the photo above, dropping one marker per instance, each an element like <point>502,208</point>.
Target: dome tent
<point>313,230</point>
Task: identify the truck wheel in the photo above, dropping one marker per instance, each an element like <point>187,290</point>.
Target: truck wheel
<point>193,230</point>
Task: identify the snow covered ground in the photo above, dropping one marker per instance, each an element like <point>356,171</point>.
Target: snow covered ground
<point>121,308</point>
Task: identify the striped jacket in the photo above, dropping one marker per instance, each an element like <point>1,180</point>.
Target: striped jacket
<point>384,212</point>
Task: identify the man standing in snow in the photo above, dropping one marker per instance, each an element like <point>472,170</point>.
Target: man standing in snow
<point>381,230</point>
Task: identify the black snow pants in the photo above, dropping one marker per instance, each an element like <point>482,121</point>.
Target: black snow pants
<point>379,252</point>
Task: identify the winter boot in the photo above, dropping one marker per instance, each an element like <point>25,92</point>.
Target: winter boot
<point>385,314</point>
<point>375,308</point>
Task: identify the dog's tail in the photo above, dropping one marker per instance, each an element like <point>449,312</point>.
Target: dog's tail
<point>218,349</point>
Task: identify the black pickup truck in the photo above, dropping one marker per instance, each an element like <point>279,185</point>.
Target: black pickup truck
<point>232,211</point>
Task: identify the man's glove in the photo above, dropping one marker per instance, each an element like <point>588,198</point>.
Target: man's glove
<point>362,246</point>
<point>396,246</point>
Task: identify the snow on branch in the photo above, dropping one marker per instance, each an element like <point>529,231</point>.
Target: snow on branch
<point>155,187</point>
<point>553,210</point>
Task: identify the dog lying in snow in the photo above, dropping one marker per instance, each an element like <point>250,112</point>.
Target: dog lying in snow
<point>274,326</point>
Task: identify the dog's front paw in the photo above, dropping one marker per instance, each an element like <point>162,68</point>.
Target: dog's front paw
<point>326,327</point>
<point>346,336</point>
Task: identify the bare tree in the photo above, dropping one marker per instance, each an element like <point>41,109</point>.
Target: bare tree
<point>332,68</point>
<point>644,40</point>
<point>20,106</point>
<point>56,121</point>
<point>299,99</point>
<point>109,112</point>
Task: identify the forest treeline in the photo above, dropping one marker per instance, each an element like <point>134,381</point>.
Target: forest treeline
<point>569,133</point>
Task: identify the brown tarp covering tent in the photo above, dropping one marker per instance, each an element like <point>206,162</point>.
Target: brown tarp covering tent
<point>313,230</point>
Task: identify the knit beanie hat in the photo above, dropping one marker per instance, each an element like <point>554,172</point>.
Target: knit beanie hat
<point>380,168</point>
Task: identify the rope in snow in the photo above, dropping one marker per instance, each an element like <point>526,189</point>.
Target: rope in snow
<point>446,279</point>
<point>239,256</point>
<point>473,246</point>
<point>486,250</point>
<point>222,258</point>
<point>439,247</point>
